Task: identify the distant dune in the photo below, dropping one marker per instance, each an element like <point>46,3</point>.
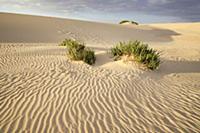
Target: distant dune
<point>41,90</point>
<point>30,29</point>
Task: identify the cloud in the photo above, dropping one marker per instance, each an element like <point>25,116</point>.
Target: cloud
<point>158,2</point>
<point>185,10</point>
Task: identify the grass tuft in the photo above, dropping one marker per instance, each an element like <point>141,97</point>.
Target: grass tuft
<point>89,56</point>
<point>139,51</point>
<point>127,21</point>
<point>78,51</point>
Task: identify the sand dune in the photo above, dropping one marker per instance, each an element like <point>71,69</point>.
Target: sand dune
<point>43,91</point>
<point>36,29</point>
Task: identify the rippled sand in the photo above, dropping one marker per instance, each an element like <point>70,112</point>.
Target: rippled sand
<point>42,91</point>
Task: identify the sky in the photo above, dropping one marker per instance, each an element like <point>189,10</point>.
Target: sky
<point>111,11</point>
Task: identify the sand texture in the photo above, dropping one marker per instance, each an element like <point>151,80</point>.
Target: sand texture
<point>41,90</point>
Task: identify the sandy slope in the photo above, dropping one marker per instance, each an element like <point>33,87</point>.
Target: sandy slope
<point>42,91</point>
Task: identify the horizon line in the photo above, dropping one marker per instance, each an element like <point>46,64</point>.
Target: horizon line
<point>85,20</point>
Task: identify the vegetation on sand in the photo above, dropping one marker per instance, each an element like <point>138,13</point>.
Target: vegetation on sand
<point>89,56</point>
<point>78,51</point>
<point>139,52</point>
<point>127,21</point>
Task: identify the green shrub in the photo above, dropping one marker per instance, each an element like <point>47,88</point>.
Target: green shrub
<point>75,49</point>
<point>67,42</point>
<point>127,21</point>
<point>141,53</point>
<point>124,21</point>
<point>78,51</point>
<point>89,56</point>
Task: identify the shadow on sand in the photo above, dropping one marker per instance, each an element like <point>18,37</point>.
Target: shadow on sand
<point>169,67</point>
<point>103,58</point>
<point>166,68</point>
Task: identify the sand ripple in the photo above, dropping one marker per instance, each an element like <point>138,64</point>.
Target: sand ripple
<point>42,91</point>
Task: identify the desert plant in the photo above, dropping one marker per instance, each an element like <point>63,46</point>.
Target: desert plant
<point>89,56</point>
<point>124,21</point>
<point>133,22</point>
<point>127,21</point>
<point>141,53</point>
<point>154,61</point>
<point>75,49</point>
<point>67,42</point>
<point>78,51</point>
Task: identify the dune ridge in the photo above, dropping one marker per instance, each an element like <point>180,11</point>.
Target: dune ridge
<point>41,90</point>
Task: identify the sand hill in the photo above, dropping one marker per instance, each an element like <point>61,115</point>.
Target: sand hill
<point>41,90</point>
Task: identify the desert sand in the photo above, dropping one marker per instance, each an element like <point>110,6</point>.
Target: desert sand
<point>41,90</point>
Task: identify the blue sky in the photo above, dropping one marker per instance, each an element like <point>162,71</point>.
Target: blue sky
<point>142,11</point>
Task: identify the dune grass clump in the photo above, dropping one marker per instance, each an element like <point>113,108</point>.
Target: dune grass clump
<point>139,52</point>
<point>67,42</point>
<point>127,21</point>
<point>89,56</point>
<point>75,49</point>
<point>78,51</point>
